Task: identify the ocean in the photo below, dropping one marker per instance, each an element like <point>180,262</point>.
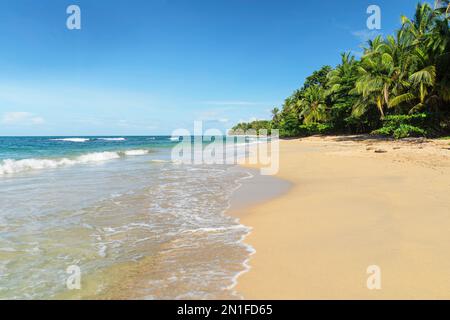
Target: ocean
<point>135,224</point>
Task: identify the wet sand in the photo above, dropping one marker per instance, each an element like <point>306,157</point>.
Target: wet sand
<point>256,190</point>
<point>355,202</point>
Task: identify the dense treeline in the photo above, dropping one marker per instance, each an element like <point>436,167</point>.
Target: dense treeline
<point>400,87</point>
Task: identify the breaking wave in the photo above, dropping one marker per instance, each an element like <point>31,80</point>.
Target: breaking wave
<point>72,139</point>
<point>112,139</point>
<point>138,152</point>
<point>10,166</point>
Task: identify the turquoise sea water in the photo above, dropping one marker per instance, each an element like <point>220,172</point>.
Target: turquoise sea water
<point>137,224</point>
<point>54,147</point>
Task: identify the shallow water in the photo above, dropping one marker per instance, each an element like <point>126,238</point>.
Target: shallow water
<point>137,225</point>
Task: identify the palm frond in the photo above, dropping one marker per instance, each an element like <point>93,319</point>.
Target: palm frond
<point>398,100</point>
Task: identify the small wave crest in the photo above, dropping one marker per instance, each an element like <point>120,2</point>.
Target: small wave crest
<point>112,139</point>
<point>137,152</point>
<point>72,139</point>
<point>10,166</point>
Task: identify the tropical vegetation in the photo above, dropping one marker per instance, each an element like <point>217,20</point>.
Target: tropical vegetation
<point>400,86</point>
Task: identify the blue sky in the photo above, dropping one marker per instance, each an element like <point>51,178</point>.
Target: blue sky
<point>144,67</point>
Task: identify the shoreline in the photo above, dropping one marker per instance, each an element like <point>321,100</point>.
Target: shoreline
<point>389,203</point>
<point>127,280</point>
<point>252,190</point>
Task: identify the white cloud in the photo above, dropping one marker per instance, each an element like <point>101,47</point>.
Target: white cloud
<point>21,118</point>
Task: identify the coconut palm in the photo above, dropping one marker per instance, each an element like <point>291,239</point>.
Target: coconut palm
<point>313,105</point>
<point>404,73</point>
<point>342,79</point>
<point>381,73</point>
<point>420,85</point>
<point>421,24</point>
<point>442,6</point>
<point>428,55</point>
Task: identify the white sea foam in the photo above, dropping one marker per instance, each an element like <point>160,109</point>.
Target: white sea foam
<point>219,229</point>
<point>10,166</point>
<point>112,139</point>
<point>72,139</point>
<point>97,156</point>
<point>138,152</point>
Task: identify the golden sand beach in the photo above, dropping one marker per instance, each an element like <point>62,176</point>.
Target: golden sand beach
<point>355,202</point>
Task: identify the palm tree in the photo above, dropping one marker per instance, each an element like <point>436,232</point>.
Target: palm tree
<point>275,116</point>
<point>404,73</point>
<point>381,73</point>
<point>342,79</point>
<point>421,23</point>
<point>313,105</point>
<point>421,83</point>
<point>442,6</point>
<point>428,37</point>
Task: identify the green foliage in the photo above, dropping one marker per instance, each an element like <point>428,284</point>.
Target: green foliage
<point>403,131</point>
<point>364,123</point>
<point>313,105</point>
<point>383,131</point>
<point>314,128</point>
<point>256,126</point>
<point>402,126</point>
<point>420,120</point>
<point>318,78</point>
<point>408,131</point>
<point>340,114</point>
<point>290,125</point>
<point>400,87</point>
